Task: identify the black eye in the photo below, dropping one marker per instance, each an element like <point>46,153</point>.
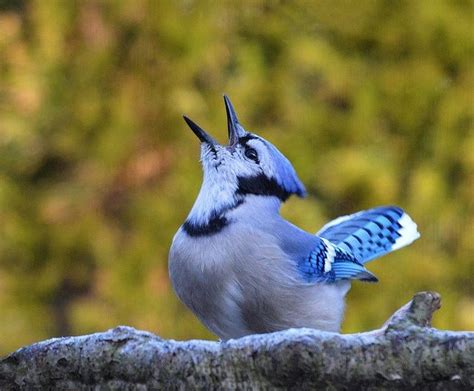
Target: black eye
<point>251,154</point>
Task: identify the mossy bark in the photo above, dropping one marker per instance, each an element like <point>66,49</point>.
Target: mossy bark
<point>406,353</point>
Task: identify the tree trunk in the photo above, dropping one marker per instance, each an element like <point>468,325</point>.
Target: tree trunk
<point>406,353</point>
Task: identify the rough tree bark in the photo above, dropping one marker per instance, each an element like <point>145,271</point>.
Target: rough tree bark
<point>406,353</point>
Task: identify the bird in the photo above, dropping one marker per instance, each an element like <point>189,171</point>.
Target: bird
<point>243,269</point>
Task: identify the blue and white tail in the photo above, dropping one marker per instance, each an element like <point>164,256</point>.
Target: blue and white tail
<point>371,233</point>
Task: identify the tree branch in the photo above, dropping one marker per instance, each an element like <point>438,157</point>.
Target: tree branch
<point>404,353</point>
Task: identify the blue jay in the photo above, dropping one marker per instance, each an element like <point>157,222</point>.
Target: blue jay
<point>243,269</point>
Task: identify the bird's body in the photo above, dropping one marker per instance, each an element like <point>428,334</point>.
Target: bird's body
<point>243,269</point>
<point>243,282</point>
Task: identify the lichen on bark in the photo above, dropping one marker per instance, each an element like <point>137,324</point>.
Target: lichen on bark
<point>406,353</point>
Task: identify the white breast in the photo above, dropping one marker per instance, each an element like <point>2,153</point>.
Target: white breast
<point>240,282</point>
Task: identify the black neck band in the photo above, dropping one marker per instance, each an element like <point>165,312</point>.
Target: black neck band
<point>216,223</point>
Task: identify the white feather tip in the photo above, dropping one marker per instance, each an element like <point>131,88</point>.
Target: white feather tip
<point>408,232</point>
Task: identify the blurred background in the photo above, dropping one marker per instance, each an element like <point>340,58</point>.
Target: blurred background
<point>372,102</point>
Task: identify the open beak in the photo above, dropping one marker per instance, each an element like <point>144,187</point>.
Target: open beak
<point>233,126</point>
<point>199,132</point>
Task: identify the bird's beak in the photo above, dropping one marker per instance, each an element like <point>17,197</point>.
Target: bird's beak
<point>233,126</point>
<point>199,132</point>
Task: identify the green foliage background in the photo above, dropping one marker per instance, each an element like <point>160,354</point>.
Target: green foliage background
<point>371,100</point>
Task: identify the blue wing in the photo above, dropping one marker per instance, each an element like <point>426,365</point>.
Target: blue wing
<point>330,263</point>
<point>371,233</point>
<point>350,241</point>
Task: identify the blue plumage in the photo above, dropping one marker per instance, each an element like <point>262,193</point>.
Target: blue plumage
<point>331,263</point>
<point>371,233</point>
<point>348,242</point>
<point>285,174</point>
<point>351,271</point>
<point>243,268</point>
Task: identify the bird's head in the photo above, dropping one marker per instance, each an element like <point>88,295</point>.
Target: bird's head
<point>248,165</point>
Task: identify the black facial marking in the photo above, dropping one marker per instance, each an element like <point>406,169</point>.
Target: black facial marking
<point>245,139</point>
<point>216,222</point>
<point>261,185</point>
<point>213,150</point>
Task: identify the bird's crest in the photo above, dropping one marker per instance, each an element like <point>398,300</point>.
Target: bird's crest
<point>249,162</point>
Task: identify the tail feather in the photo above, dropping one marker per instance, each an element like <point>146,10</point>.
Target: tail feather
<point>371,233</point>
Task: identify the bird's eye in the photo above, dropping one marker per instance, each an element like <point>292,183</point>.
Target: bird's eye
<point>251,154</point>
